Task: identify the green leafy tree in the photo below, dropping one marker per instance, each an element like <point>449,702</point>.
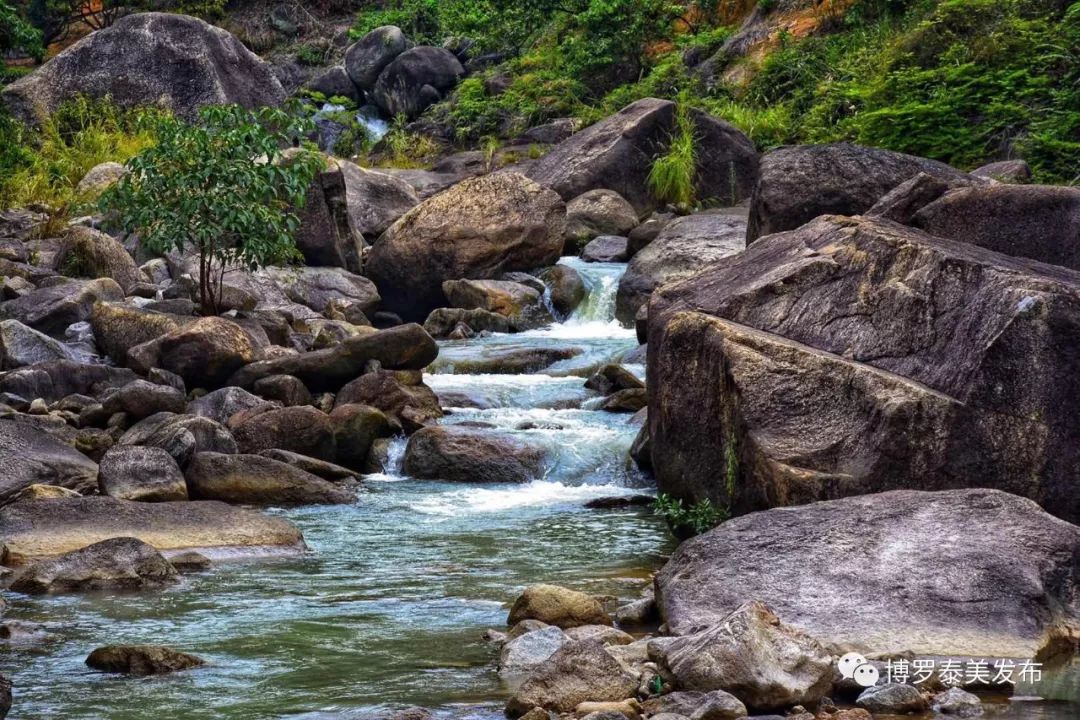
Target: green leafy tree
<point>17,34</point>
<point>222,187</point>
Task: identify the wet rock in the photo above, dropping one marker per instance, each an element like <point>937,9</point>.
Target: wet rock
<point>892,698</point>
<point>285,389</point>
<point>802,182</point>
<point>558,606</point>
<point>117,564</point>
<point>1006,171</point>
<point>53,308</point>
<point>637,613</point>
<point>415,80</point>
<point>603,634</point>
<point>715,573</point>
<point>443,322</point>
<point>401,395</point>
<point>501,222</point>
<point>566,288</point>
<point>356,428</point>
<point>611,378</point>
<point>31,457</point>
<point>259,480</point>
<point>21,345</point>
<point>617,154</point>
<point>189,561</point>
<point>89,253</point>
<point>143,398</point>
<point>620,501</point>
<point>1040,222</point>
<point>220,405</point>
<point>145,474</point>
<point>597,213</point>
<point>405,347</point>
<point>304,430</point>
<point>579,672</point>
<point>714,705</point>
<point>368,57</point>
<point>529,650</point>
<point>41,528</point>
<point>752,655</point>
<point>177,61</point>
<point>509,299</point>
<point>626,401</point>
<point>141,660</point>
<point>514,361</point>
<point>375,199</point>
<point>606,248</point>
<point>957,703</point>
<point>321,468</point>
<point>684,247</point>
<point>456,454</point>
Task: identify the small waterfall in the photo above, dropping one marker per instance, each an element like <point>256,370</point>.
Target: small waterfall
<point>597,310</point>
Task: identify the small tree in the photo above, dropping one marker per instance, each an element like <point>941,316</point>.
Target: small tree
<point>223,187</point>
<point>17,34</point>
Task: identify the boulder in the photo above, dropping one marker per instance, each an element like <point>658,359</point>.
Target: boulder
<point>41,528</point>
<point>99,178</point>
<point>400,395</point>
<point>56,379</point>
<point>566,288</point>
<point>595,213</point>
<point>283,389</point>
<point>892,699</point>
<point>176,61</point>
<point>445,322</point>
<point>180,435</point>
<point>316,287</point>
<point>118,327</point>
<point>259,480</point>
<point>752,655</point>
<point>630,400</point>
<point>955,363</point>
<point>415,80</point>
<point>520,303</point>
<point>356,428</point>
<point>89,253</point>
<point>558,606</point>
<point>303,430</point>
<point>715,705</point>
<point>684,247</point>
<point>143,398</point>
<point>617,154</point>
<point>461,454</point>
<point>141,660</point>
<point>145,474</point>
<point>1041,222</point>
<point>220,405</point>
<point>32,457</point>
<point>366,58</point>
<point>957,703</point>
<point>334,82</point>
<point>511,360</point>
<point>405,347</point>
<point>1012,598</point>
<point>902,202</point>
<point>375,199</point>
<point>604,634</point>
<point>21,345</point>
<point>522,654</point>
<point>1006,171</point>
<point>52,308</point>
<point>611,378</point>
<point>478,229</point>
<point>605,248</point>
<point>121,563</point>
<point>578,672</point>
<point>206,352</point>
<point>802,182</point>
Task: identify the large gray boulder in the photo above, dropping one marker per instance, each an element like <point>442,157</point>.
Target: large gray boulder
<point>525,652</point>
<point>618,153</point>
<point>316,287</point>
<point>305,430</point>
<point>415,80</point>
<point>478,229</point>
<point>34,529</point>
<point>142,473</point>
<point>366,58</point>
<point>684,247</point>
<point>754,656</point>
<point>51,309</point>
<point>580,671</point>
<point>177,61</point>
<point>595,213</point>
<point>799,183</point>
<point>461,454</point>
<point>56,379</point>
<point>1040,222</point>
<point>89,253</point>
<point>259,480</point>
<point>141,660</point>
<point>21,345</point>
<point>885,573</point>
<point>375,199</point>
<point>558,606</point>
<point>143,398</point>
<point>32,457</point>
<point>854,355</point>
<point>326,236</point>
<point>122,563</point>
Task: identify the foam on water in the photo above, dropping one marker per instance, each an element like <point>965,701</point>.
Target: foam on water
<point>539,493</point>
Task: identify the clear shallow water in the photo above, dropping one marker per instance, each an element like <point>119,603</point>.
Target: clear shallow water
<point>388,607</point>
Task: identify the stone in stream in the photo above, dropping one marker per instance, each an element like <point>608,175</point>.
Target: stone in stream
<point>356,428</point>
<point>509,299</point>
<point>626,401</point>
<point>303,430</point>
<point>684,247</point>
<point>597,213</point>
<point>122,563</point>
<point>144,474</point>
<point>321,468</point>
<point>401,395</point>
<point>512,360</point>
<point>957,703</point>
<point>713,705</point>
<point>956,363</point>
<point>522,654</point>
<point>753,655</point>
<point>1014,597</point>
<point>259,480</point>
<point>611,378</point>
<point>581,671</point>
<point>566,288</point>
<point>501,222</point>
<point>605,248</point>
<point>892,698</point>
<point>459,454</point>
<point>141,659</point>
<point>41,528</point>
<point>558,606</point>
<point>31,457</point>
<point>444,322</point>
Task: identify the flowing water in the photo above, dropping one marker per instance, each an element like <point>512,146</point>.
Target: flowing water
<point>388,607</point>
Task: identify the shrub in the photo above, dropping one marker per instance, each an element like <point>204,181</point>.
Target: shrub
<point>671,177</point>
<point>686,521</point>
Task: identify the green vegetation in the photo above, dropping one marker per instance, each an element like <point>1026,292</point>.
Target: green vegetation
<point>687,521</point>
<point>18,34</point>
<point>222,187</point>
<point>671,178</point>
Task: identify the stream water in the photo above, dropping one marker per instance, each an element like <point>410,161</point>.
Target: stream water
<point>388,607</point>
